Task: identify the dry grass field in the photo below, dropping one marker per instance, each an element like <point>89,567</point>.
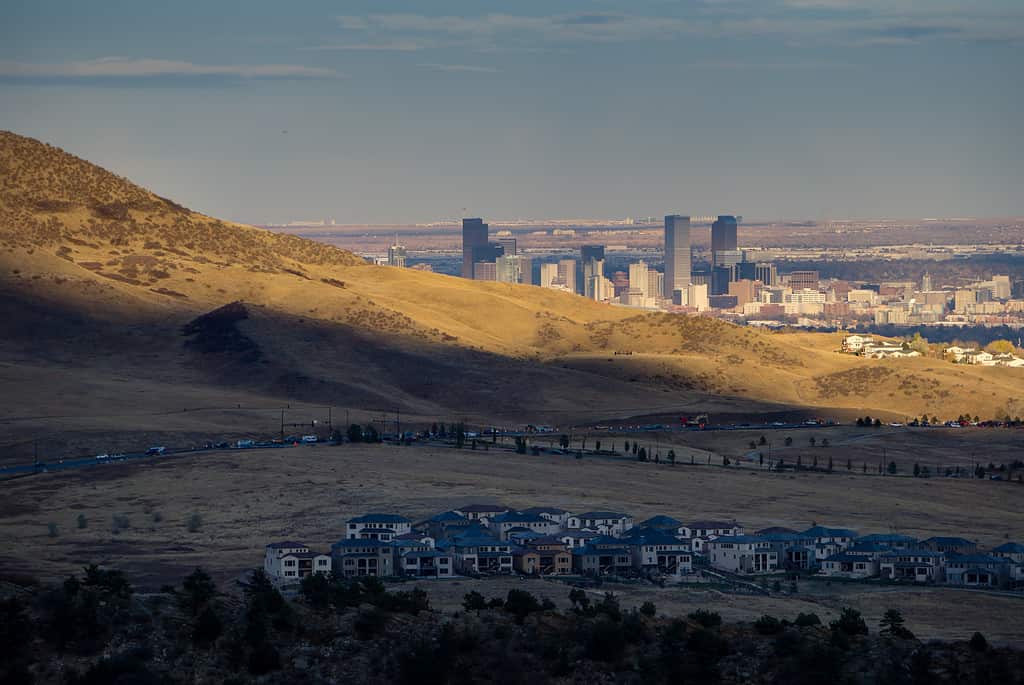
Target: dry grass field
<point>246,499</point>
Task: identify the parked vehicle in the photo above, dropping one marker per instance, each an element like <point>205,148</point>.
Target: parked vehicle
<point>309,438</point>
<point>242,444</point>
<point>102,457</point>
<point>156,450</point>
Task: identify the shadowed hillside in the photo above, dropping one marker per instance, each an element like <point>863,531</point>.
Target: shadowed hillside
<point>100,278</point>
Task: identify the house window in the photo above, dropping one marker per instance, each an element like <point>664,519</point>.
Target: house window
<point>289,562</point>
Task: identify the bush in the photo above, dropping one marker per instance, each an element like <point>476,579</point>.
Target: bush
<point>51,529</point>
<point>805,620</point>
<point>979,643</point>
<point>648,609</point>
<point>263,659</point>
<point>82,521</point>
<point>474,601</point>
<point>194,523</point>
<point>707,619</point>
<point>768,625</point>
<point>369,623</point>
<point>119,522</point>
<point>198,589</point>
<point>850,623</point>
<point>207,627</point>
<point>605,640</point>
<point>521,604</point>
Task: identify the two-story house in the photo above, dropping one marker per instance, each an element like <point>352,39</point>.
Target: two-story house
<point>603,556</point>
<point>916,565</point>
<point>363,557</point>
<point>604,522</point>
<point>502,524</point>
<point>742,554</point>
<point>978,570</point>
<point>950,545</point>
<point>288,562</point>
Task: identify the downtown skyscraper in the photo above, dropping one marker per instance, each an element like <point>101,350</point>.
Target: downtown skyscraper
<point>474,235</point>
<point>677,254</point>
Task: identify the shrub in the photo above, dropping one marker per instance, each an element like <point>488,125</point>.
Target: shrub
<point>979,643</point>
<point>768,625</point>
<point>474,601</point>
<point>51,529</point>
<point>369,623</point>
<point>648,609</point>
<point>194,523</point>
<point>805,620</point>
<point>83,522</point>
<point>605,640</point>
<point>850,622</point>
<point>707,619</point>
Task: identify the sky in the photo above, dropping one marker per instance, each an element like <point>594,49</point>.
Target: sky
<point>384,111</point>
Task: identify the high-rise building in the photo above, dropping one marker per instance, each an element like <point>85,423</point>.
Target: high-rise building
<point>1002,288</point>
<point>677,253</point>
<point>509,245</point>
<point>548,275</point>
<point>697,297</point>
<point>567,274</point>
<point>926,282</point>
<point>592,257</point>
<point>474,234</point>
<point>638,278</point>
<point>799,280</point>
<point>723,236</point>
<point>508,269</point>
<point>655,284</point>
<point>485,271</point>
<point>396,255</point>
<point>488,252</point>
<point>766,273</point>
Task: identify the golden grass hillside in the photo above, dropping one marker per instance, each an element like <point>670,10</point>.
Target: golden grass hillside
<point>81,241</point>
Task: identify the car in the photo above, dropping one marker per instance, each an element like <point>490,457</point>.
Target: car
<point>309,438</point>
<point>156,450</point>
<point>896,424</point>
<point>102,456</point>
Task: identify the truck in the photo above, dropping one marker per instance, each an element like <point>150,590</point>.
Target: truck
<point>694,421</point>
<point>156,451</point>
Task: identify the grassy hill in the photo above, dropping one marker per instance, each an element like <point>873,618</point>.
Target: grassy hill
<point>102,280</point>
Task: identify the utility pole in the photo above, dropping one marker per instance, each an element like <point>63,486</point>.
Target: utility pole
<point>398,423</point>
<point>282,425</point>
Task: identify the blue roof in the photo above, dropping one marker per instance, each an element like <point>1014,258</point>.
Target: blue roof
<point>868,547</point>
<point>476,541</point>
<point>846,556</point>
<point>976,559</point>
<point>661,521</point>
<point>911,552</point>
<point>447,516</point>
<point>379,518</point>
<point>738,539</point>
<point>588,550</point>
<point>1010,548</point>
<point>602,515</point>
<point>885,538</point>
<point>519,517</point>
<point>779,537</point>
<point>826,532</point>
<point>425,554</point>
<point>545,510</point>
<point>940,540</point>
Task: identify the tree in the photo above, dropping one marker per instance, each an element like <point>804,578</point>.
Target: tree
<point>878,423</point>
<point>1000,347</point>
<point>83,522</point>
<point>648,609</point>
<point>892,625</point>
<point>830,464</point>
<point>521,604</point>
<point>672,457</point>
<point>198,589</point>
<point>762,441</point>
<point>752,445</point>
<point>474,601</point>
<point>849,465</point>
<point>850,622</point>
<point>563,442</point>
<point>707,619</point>
<point>917,469</point>
<point>813,441</point>
<point>355,433</point>
<point>788,441</point>
<point>642,455</point>
<point>892,468</point>
<point>625,445</point>
<point>579,599</point>
<point>597,446</point>
<point>979,643</point>
<point>824,442</point>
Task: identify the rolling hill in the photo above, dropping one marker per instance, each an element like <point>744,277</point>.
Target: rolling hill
<point>126,314</point>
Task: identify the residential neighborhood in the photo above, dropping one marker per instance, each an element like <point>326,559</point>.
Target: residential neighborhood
<point>489,539</point>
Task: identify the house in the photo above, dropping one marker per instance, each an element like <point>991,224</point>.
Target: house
<point>426,563</point>
<point>481,512</point>
<point>501,524</point>
<point>796,553</point>
<point>828,541</point>
<point>979,357</point>
<point>377,527</point>
<point>918,565</point>
<point>855,343</point>
<point>577,538</point>
<point>555,558</point>
<point>950,545</point>
<point>958,353</point>
<point>363,557</point>
<point>478,552</point>
<point>288,562</point>
<point>978,570</point>
<point>742,554</point>
<point>699,532</point>
<point>444,525</point>
<point>776,530</point>
<point>847,565</point>
<point>526,560</point>
<point>559,516</point>
<point>655,551</point>
<point>604,522</point>
<point>1013,552</point>
<point>603,556</point>
<point>665,524</point>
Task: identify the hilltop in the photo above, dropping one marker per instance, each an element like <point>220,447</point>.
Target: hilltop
<point>118,302</point>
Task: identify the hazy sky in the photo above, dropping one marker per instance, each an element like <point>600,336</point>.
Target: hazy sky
<point>381,111</point>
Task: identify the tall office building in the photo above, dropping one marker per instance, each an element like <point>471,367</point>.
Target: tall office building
<point>567,274</point>
<point>799,280</point>
<point>509,245</point>
<point>594,280</point>
<point>926,282</point>
<point>766,272</point>
<point>396,255</point>
<point>677,253</point>
<point>592,257</point>
<point>474,234</point>
<point>548,275</point>
<point>508,269</point>
<point>723,237</point>
<point>638,278</point>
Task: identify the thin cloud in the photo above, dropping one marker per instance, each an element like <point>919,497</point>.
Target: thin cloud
<point>458,68</point>
<point>388,46</point>
<point>129,68</point>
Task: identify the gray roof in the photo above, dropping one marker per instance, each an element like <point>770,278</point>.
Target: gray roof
<point>379,518</point>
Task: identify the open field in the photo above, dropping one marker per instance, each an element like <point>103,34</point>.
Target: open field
<point>247,499</point>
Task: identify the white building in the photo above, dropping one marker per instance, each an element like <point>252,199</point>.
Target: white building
<point>288,562</point>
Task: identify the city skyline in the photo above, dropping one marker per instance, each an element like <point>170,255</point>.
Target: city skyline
<point>390,112</point>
